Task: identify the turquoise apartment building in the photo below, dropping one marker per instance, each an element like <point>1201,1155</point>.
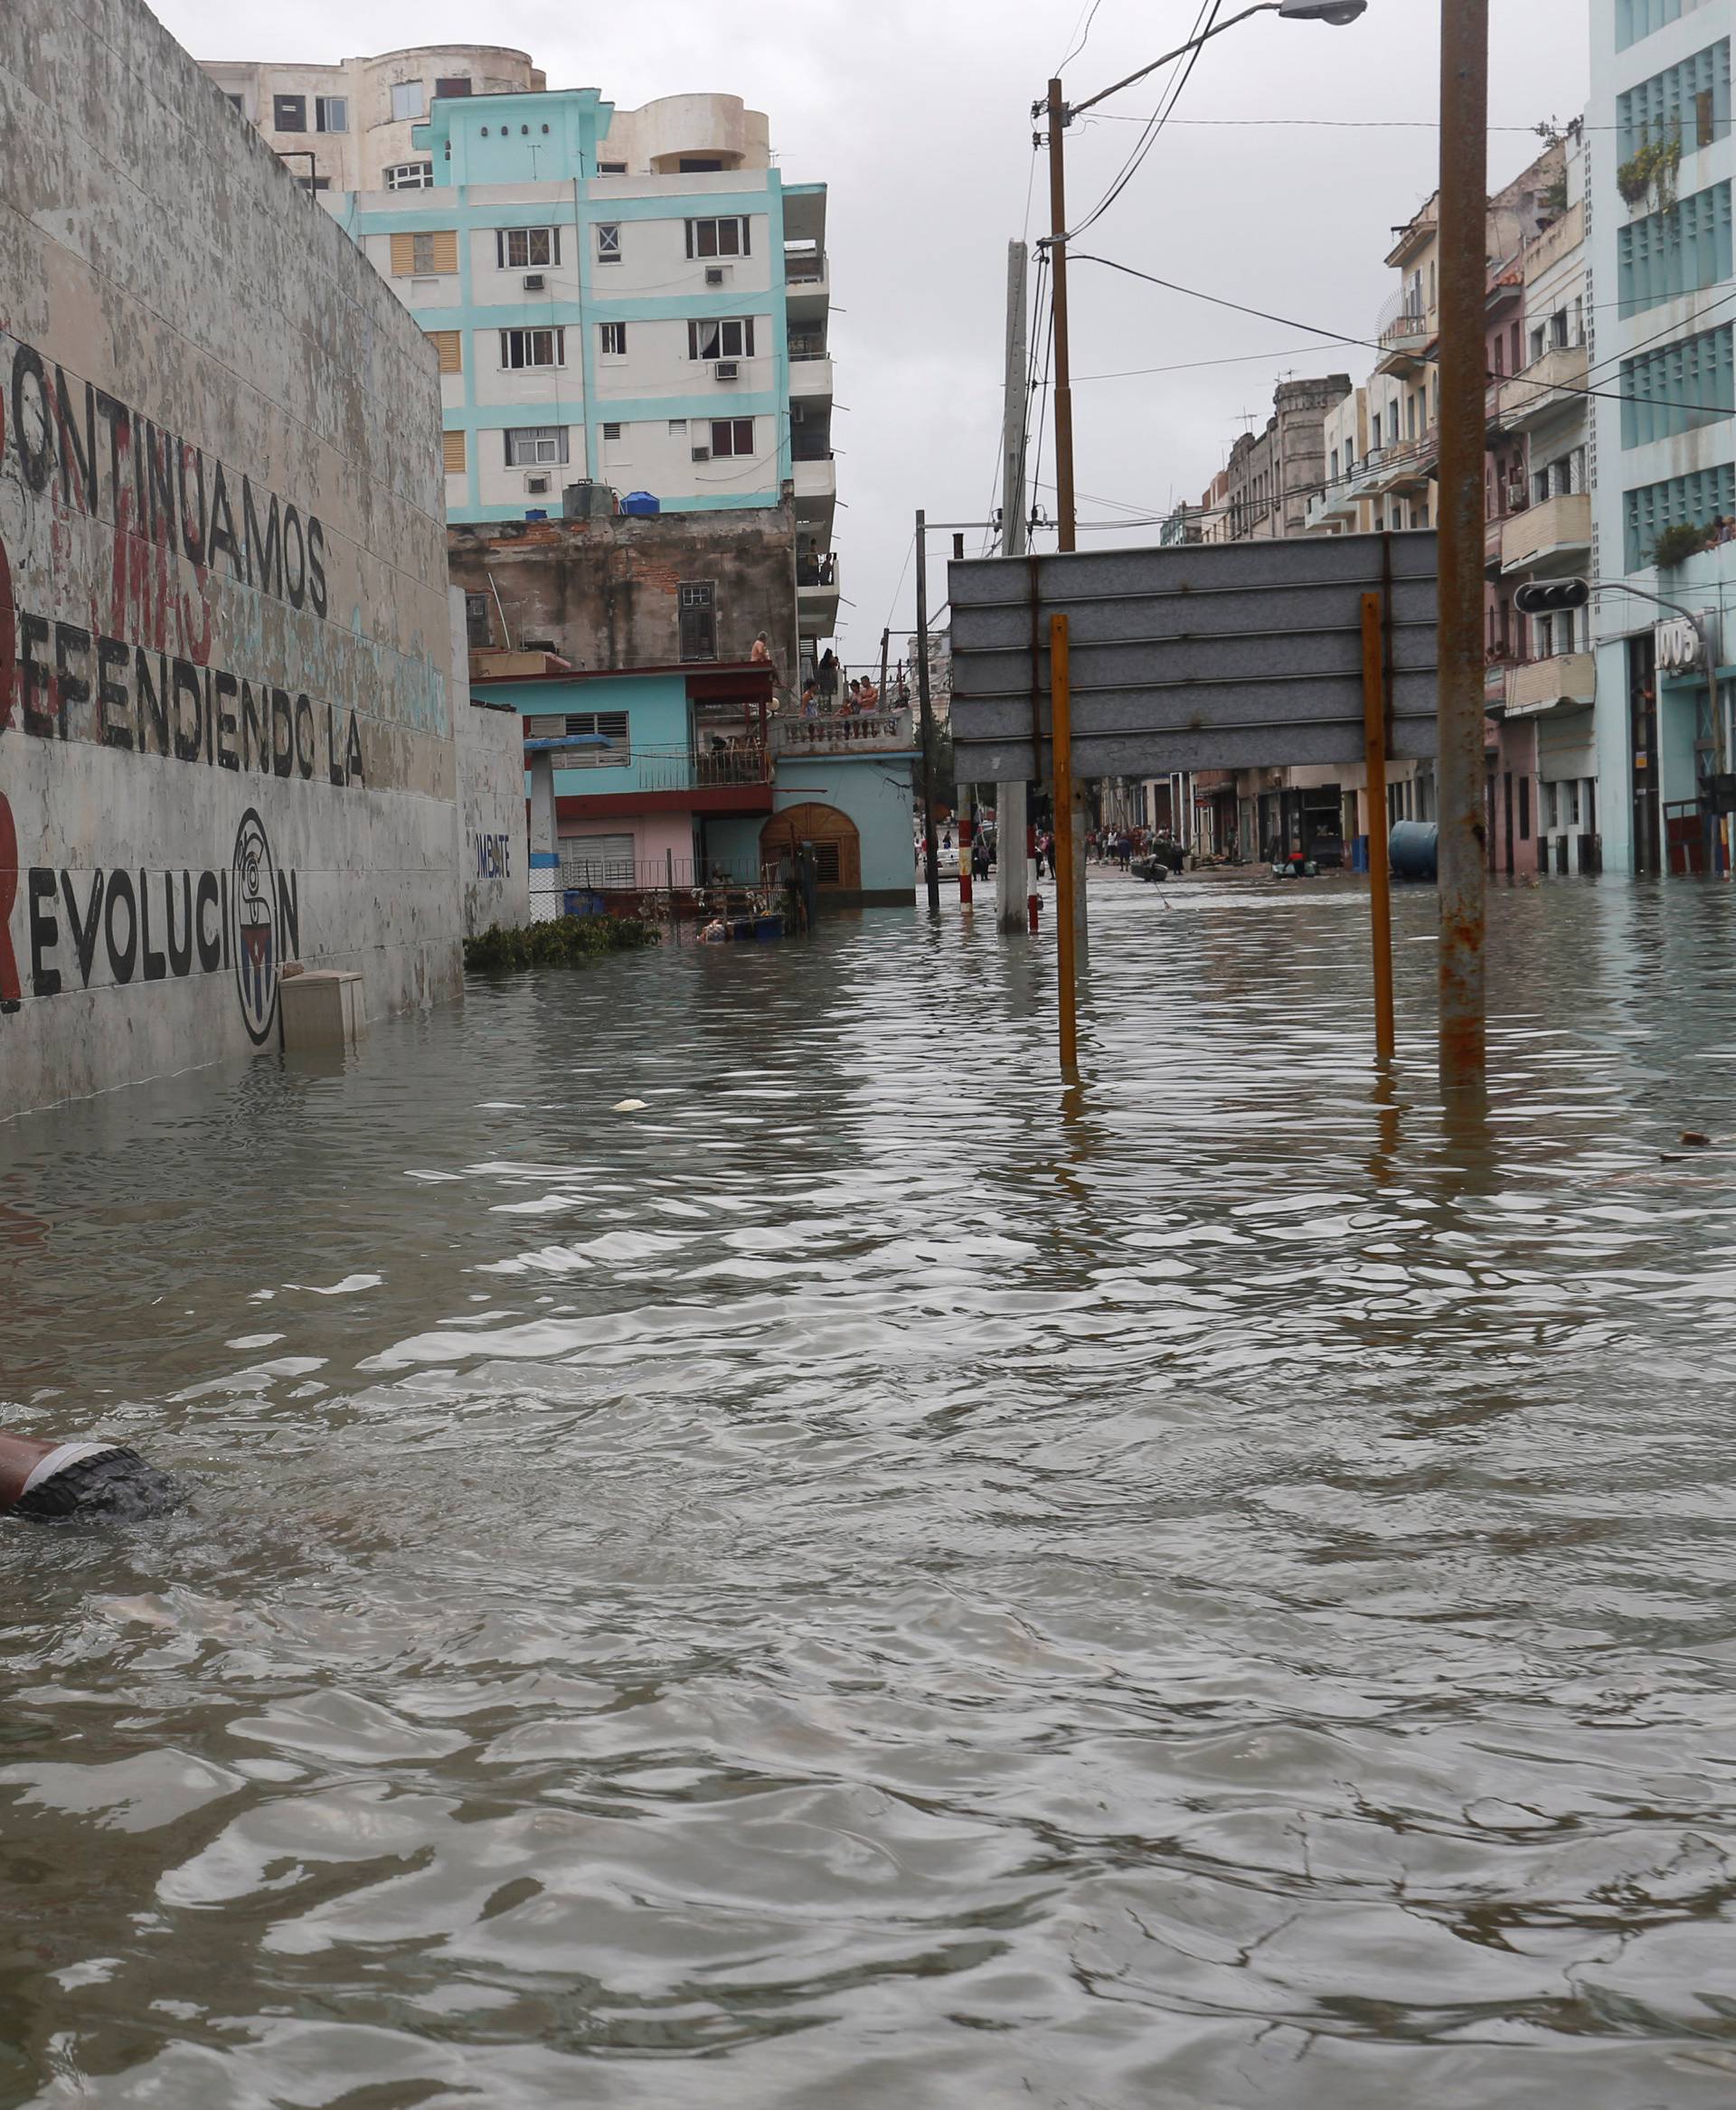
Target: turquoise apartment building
<point>1665,430</point>
<point>621,302</point>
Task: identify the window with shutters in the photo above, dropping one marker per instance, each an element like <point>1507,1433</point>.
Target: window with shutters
<point>527,348</point>
<point>478,620</point>
<point>1694,500</point>
<point>1678,387</point>
<point>597,860</point>
<point>331,113</point>
<point>289,113</point>
<point>448,350</point>
<point>1688,103</point>
<point>614,340</point>
<point>526,248</point>
<point>697,616</point>
<point>408,101</point>
<point>573,724</point>
<point>608,243</point>
<point>732,435</point>
<point>530,447</point>
<point>452,84</point>
<point>425,255</point>
<point>452,447</point>
<point>720,238</point>
<point>728,339</point>
<point>1678,250</point>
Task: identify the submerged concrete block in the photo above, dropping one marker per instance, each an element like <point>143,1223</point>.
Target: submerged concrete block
<point>324,1009</point>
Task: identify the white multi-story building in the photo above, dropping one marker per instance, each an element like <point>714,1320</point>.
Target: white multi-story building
<point>625,302</point>
<point>347,126</point>
<point>1659,233</point>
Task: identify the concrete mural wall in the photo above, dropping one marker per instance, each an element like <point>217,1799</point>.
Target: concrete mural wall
<point>493,839</point>
<point>225,736</point>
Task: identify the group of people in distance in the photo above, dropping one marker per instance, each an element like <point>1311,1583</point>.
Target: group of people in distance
<point>862,697</point>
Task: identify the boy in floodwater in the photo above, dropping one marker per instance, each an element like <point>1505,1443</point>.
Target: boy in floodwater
<point>45,1479</point>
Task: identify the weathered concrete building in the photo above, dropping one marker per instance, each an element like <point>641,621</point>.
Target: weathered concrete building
<point>629,591</point>
<point>225,648</point>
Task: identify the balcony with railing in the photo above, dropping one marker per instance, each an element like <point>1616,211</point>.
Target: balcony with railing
<point>877,732</point>
<point>1540,685</point>
<point>816,594</point>
<point>810,379</point>
<point>717,762</point>
<point>1548,386</point>
<point>1558,530</point>
<point>807,278</point>
<point>815,475</point>
<point>1406,329</point>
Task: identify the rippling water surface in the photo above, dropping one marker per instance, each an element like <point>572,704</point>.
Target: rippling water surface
<point>873,1583</point>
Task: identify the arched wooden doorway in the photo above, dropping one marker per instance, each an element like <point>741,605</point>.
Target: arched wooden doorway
<point>837,847</point>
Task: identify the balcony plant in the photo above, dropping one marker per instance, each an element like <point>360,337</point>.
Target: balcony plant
<point>1650,171</point>
<point>1676,544</point>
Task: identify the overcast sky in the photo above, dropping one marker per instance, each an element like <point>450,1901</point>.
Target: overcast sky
<point>916,113</point>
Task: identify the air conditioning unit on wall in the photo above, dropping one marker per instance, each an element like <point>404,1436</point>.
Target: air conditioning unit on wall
<point>534,282</point>
<point>715,274</point>
<point>702,453</point>
<point>536,485</point>
<point>726,369</point>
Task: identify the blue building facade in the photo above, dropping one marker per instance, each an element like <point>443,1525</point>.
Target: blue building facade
<point>1661,242</point>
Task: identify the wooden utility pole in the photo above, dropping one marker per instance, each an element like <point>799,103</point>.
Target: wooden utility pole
<point>1061,733</point>
<point>1460,769</point>
<point>931,861</point>
<point>1379,870</point>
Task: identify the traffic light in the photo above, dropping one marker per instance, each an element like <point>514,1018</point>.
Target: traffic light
<point>1552,598</point>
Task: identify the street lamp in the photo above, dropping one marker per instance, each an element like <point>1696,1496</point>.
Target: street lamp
<point>1069,891</point>
<point>1337,13</point>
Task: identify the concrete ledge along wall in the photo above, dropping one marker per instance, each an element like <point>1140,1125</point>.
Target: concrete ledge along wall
<point>225,730</point>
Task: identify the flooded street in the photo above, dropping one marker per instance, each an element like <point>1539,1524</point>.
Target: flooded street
<point>872,1583</point>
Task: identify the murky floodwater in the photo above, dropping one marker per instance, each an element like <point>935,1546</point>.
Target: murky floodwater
<point>866,1585</point>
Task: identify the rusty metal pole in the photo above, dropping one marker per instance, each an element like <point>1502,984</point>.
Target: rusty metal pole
<point>1380,874</point>
<point>925,703</point>
<point>1459,766</point>
<point>1060,738</point>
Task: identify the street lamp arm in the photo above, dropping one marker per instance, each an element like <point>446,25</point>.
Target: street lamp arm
<point>1603,586</point>
<point>1181,52</point>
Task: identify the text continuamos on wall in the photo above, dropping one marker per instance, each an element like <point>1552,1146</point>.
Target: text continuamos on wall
<point>76,445</point>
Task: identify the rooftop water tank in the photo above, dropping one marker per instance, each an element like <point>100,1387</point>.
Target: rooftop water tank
<point>641,502</point>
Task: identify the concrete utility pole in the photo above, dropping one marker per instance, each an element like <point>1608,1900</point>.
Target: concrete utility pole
<point>932,863</point>
<point>1069,827</point>
<point>1459,767</point>
<point>1012,815</point>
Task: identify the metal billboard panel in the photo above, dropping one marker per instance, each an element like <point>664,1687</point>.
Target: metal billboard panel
<point>1218,655</point>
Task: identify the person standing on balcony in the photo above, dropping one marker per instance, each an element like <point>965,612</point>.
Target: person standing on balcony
<point>827,675</point>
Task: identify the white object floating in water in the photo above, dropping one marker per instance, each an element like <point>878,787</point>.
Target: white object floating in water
<point>629,1106</point>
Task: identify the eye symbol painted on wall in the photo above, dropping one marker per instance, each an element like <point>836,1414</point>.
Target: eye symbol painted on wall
<point>254,895</point>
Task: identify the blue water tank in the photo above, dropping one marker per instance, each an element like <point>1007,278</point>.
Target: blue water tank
<point>537,513</point>
<point>1413,851</point>
<point>641,502</point>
